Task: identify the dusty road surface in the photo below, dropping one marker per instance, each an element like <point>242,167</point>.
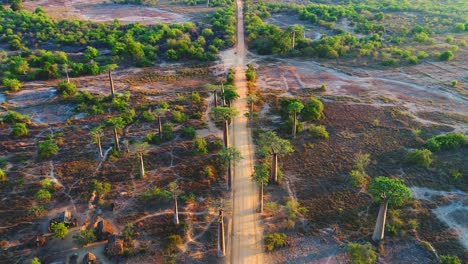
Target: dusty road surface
<point>246,243</point>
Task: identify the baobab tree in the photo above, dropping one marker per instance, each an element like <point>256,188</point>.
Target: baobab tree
<point>221,240</point>
<point>117,123</point>
<point>261,175</point>
<point>225,114</point>
<point>230,95</point>
<point>273,145</point>
<point>140,149</point>
<point>294,108</point>
<point>228,156</point>
<point>386,191</point>
<point>252,99</point>
<point>174,189</point>
<point>160,112</point>
<point>96,134</point>
<point>110,68</point>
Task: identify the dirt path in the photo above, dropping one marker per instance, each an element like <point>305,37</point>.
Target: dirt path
<point>246,243</point>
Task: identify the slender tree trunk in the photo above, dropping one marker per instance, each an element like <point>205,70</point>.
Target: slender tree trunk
<point>176,211</point>
<point>223,101</point>
<point>160,129</point>
<point>274,168</point>
<point>226,134</point>
<point>221,240</point>
<point>229,176</point>
<point>294,125</point>
<point>68,78</point>
<point>294,40</point>
<point>142,166</point>
<point>251,110</point>
<point>379,229</point>
<point>215,94</point>
<point>116,140</point>
<point>261,198</point>
<point>111,84</point>
<point>229,103</point>
<point>99,146</point>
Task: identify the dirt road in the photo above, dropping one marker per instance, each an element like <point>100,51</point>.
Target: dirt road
<point>246,243</point>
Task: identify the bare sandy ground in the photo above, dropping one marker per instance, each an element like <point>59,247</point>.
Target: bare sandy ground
<point>105,11</point>
<point>246,243</point>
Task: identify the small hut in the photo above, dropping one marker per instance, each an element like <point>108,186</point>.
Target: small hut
<point>64,217</point>
<point>115,246</point>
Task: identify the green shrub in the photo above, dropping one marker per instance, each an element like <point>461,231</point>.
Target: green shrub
<point>101,188</point>
<point>200,145</point>
<point>148,116</point>
<point>447,141</point>
<point>420,157</point>
<point>36,210</point>
<point>447,259</point>
<point>13,85</point>
<point>318,131</point>
<point>178,116</point>
<point>66,89</point>
<point>361,254</point>
<point>454,83</point>
<point>412,60</point>
<point>60,230</point>
<point>275,240</point>
<point>47,149</point>
<point>188,132</point>
<point>195,97</point>
<point>168,131</point>
<point>358,178</point>
<point>43,195</point>
<point>152,138</point>
<point>35,261</point>
<point>13,117</point>
<point>446,56</point>
<point>85,237</point>
<point>313,109</point>
<point>19,130</point>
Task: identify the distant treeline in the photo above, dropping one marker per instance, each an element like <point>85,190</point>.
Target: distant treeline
<point>137,2</point>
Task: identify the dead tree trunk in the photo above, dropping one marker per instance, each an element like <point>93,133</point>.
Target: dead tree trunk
<point>274,168</point>
<point>176,211</point>
<point>160,129</point>
<point>226,134</point>
<point>221,240</point>
<point>116,140</point>
<point>142,166</point>
<point>379,229</point>
<point>111,84</point>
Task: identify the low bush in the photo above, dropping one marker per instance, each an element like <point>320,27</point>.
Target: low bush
<point>447,141</point>
<point>85,237</point>
<point>188,132</point>
<point>361,254</point>
<point>274,240</point>
<point>318,131</point>
<point>448,259</point>
<point>47,149</point>
<point>66,89</point>
<point>420,157</point>
<point>19,130</point>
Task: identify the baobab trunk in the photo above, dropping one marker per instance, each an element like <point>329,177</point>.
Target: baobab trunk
<point>142,166</point>
<point>229,176</point>
<point>294,126</point>
<point>221,240</point>
<point>111,84</point>
<point>160,128</point>
<point>274,168</point>
<point>116,140</point>
<point>223,101</point>
<point>215,94</point>
<point>176,211</point>
<point>99,146</point>
<point>68,78</point>
<point>226,134</point>
<point>380,224</point>
<point>261,198</point>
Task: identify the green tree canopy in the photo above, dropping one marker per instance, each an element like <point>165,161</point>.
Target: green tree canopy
<point>393,190</point>
<point>271,143</point>
<point>225,113</point>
